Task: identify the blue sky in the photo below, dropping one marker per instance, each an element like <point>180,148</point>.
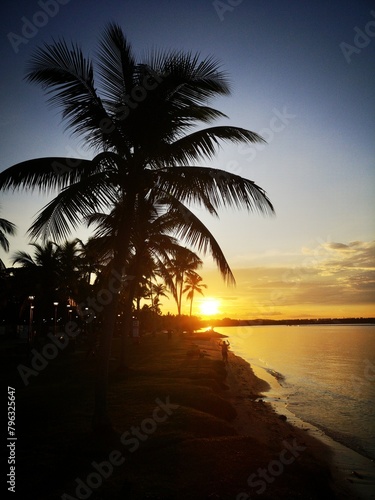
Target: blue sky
<point>293,80</point>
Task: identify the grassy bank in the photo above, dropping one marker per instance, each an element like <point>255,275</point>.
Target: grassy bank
<point>186,427</point>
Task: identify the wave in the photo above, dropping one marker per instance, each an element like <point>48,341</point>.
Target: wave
<point>277,375</point>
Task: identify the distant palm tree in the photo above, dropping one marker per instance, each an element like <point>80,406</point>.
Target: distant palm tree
<point>42,275</point>
<point>143,131</point>
<point>184,263</point>
<point>69,268</point>
<point>157,290</point>
<point>193,283</point>
<point>6,228</point>
<point>44,262</point>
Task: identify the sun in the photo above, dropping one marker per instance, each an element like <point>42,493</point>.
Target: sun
<point>209,307</point>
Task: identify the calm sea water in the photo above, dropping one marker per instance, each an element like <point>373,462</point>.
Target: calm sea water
<point>325,374</point>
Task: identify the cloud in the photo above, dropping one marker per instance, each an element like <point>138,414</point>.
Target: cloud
<point>339,273</point>
<point>338,246</point>
<point>354,254</point>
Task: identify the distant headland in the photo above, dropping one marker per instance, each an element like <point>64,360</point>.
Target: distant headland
<point>316,321</point>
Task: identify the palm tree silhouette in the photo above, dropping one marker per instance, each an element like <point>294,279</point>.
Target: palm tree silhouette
<point>183,263</point>
<point>193,283</point>
<point>140,120</point>
<point>42,273</point>
<point>157,290</point>
<point>6,228</point>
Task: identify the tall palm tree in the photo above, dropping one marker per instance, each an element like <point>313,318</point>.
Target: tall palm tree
<point>184,262</point>
<point>193,283</point>
<point>140,120</point>
<point>6,228</point>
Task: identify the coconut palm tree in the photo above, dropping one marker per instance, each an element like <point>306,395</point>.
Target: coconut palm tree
<point>42,274</point>
<point>91,259</point>
<point>44,264</point>
<point>69,268</point>
<point>6,228</point>
<point>193,283</point>
<point>184,262</point>
<point>157,290</point>
<point>140,120</point>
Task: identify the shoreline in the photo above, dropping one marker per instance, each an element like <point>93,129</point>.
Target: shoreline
<point>353,475</point>
<point>348,466</point>
<point>257,419</point>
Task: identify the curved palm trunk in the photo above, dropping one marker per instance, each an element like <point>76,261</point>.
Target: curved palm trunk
<point>179,303</point>
<point>191,302</point>
<point>101,419</point>
<point>128,318</point>
<point>126,331</point>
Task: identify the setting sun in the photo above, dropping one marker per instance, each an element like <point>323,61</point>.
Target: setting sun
<point>209,307</point>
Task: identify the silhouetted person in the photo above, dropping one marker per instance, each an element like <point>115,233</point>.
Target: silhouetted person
<point>224,350</point>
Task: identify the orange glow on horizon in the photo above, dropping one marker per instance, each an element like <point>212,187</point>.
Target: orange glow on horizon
<point>271,293</point>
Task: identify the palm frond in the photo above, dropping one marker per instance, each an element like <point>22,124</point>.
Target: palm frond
<point>6,228</point>
<point>44,174</point>
<point>194,233</point>
<point>203,144</point>
<point>194,81</point>
<point>193,114</point>
<point>116,64</point>
<point>23,258</point>
<point>68,209</point>
<point>68,79</point>
<point>51,173</point>
<point>217,187</point>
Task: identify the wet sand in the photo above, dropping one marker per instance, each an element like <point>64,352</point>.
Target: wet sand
<point>351,475</point>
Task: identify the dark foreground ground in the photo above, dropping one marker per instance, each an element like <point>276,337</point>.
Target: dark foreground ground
<point>186,427</point>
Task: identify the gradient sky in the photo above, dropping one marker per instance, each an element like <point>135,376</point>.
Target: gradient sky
<point>302,76</point>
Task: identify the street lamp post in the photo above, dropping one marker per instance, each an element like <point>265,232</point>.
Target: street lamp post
<point>31,314</point>
<point>69,314</point>
<point>55,304</point>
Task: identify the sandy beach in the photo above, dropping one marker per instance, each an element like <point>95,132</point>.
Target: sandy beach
<point>303,471</point>
<point>186,426</point>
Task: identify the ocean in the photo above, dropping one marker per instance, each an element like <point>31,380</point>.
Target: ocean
<point>322,374</point>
